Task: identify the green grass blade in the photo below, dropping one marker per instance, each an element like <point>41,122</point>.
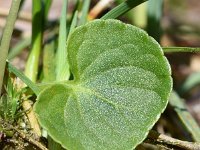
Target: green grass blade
<point>25,79</point>
<point>18,48</point>
<point>192,81</point>
<point>62,72</point>
<point>47,4</point>
<point>138,15</point>
<point>6,37</point>
<point>31,69</point>
<point>180,108</point>
<point>74,22</point>
<point>180,49</point>
<point>84,12</point>
<point>122,8</point>
<point>48,64</point>
<point>155,9</point>
<point>26,42</point>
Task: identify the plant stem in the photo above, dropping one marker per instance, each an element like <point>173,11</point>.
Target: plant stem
<point>6,37</point>
<point>161,139</point>
<point>122,9</point>
<point>180,49</point>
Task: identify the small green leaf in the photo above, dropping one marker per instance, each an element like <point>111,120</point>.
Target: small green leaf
<point>121,86</point>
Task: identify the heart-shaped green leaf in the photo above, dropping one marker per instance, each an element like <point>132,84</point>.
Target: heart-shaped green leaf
<point>121,85</point>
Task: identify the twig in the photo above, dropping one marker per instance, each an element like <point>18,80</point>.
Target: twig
<point>32,118</point>
<point>98,8</point>
<point>8,128</point>
<point>161,139</point>
<point>29,139</point>
<point>24,16</point>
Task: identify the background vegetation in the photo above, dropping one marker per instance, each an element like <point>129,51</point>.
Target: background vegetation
<point>174,24</point>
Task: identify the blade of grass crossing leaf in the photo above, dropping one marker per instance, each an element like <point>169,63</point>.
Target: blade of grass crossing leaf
<point>6,37</point>
<point>26,80</point>
<point>185,116</point>
<point>17,49</point>
<point>139,15</point>
<point>31,69</point>
<point>155,8</point>
<point>180,49</point>
<point>62,72</point>
<point>122,9</point>
<point>84,12</point>
<point>74,22</point>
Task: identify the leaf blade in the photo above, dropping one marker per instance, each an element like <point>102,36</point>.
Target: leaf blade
<point>116,96</point>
